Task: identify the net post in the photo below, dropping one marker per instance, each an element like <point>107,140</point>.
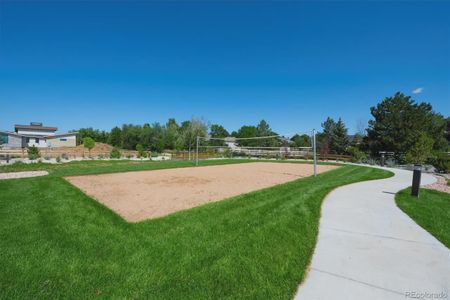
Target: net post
<point>314,152</point>
<point>196,152</point>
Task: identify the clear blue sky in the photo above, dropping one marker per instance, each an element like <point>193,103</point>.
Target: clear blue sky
<point>79,64</point>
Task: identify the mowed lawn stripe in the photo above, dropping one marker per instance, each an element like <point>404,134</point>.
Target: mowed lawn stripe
<point>431,210</point>
<point>57,242</point>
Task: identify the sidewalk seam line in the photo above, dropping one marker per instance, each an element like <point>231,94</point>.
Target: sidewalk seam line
<point>380,236</point>
<point>358,281</point>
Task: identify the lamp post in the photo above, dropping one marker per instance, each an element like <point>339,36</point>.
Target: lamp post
<point>314,152</point>
<point>416,180</point>
<point>196,151</point>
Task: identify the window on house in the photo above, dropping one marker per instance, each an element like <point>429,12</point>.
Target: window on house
<point>63,140</point>
<point>3,139</point>
<point>28,140</point>
<point>36,140</point>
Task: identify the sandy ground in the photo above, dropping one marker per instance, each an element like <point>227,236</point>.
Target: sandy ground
<point>141,195</point>
<point>15,175</point>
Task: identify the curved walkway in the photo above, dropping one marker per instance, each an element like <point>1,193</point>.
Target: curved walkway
<point>369,249</point>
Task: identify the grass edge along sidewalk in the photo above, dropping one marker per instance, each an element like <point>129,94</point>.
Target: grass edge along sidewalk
<point>57,242</point>
<point>431,211</point>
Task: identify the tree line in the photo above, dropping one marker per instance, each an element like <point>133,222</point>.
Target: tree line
<point>413,132</point>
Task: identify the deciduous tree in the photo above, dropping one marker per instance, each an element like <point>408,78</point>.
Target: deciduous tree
<point>89,143</point>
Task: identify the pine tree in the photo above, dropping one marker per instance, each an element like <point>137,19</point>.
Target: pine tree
<point>339,137</point>
<point>115,138</point>
<point>263,129</point>
<point>328,131</point>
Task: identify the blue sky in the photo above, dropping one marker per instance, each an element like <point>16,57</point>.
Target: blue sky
<point>102,64</point>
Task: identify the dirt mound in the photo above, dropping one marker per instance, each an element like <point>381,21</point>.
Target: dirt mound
<point>99,147</point>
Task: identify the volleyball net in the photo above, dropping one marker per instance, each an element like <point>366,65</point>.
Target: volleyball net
<point>298,146</point>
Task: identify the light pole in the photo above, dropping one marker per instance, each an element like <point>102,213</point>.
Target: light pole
<point>416,180</point>
<point>314,152</point>
<point>196,152</point>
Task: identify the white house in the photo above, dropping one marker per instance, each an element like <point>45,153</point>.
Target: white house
<point>37,135</point>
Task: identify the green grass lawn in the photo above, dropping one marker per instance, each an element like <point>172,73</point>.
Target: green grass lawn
<point>431,211</point>
<point>56,242</point>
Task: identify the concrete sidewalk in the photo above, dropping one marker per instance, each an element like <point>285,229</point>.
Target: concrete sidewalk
<point>369,249</point>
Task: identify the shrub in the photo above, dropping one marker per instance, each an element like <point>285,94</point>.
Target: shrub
<point>58,159</point>
<point>441,162</point>
<point>371,161</point>
<point>390,162</point>
<point>140,150</point>
<point>357,155</point>
<point>33,153</point>
<point>115,153</point>
<point>227,152</point>
<point>420,150</point>
<point>89,143</point>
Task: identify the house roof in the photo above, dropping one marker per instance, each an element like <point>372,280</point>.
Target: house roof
<point>35,127</point>
<point>61,135</point>
<point>39,136</point>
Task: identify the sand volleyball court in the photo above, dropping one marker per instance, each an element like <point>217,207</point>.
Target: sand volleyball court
<point>141,195</point>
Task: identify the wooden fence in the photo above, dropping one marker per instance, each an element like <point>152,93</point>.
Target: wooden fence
<point>65,152</point>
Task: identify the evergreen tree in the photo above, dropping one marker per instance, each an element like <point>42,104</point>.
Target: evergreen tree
<point>339,142</point>
<point>397,121</point>
<point>263,129</point>
<point>328,131</point>
<point>115,137</point>
<point>421,149</point>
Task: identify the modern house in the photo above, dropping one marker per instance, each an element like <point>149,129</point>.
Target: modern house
<point>37,135</point>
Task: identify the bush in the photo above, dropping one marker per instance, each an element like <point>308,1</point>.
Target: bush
<point>33,153</point>
<point>371,161</point>
<point>441,162</point>
<point>115,153</point>
<point>357,155</point>
<point>140,150</point>
<point>390,162</point>
<point>420,150</point>
<point>89,143</point>
<point>58,159</point>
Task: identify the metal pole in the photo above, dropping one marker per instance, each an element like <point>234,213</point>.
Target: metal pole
<point>196,158</point>
<point>416,180</point>
<point>315,155</point>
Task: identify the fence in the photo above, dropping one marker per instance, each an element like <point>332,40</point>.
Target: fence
<point>66,152</point>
